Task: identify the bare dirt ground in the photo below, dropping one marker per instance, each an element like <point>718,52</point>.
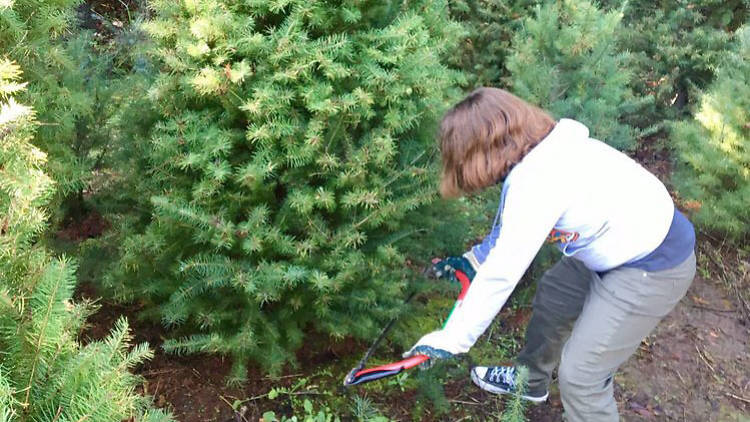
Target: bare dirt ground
<point>695,366</point>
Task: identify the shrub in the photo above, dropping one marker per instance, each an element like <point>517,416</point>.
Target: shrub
<point>714,150</point>
<point>565,60</point>
<point>489,26</point>
<point>675,47</point>
<point>292,141</point>
<point>72,87</point>
<point>45,374</point>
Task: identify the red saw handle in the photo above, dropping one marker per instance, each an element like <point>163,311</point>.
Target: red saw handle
<point>360,376</point>
<point>465,283</point>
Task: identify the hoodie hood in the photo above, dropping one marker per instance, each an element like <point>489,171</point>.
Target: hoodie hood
<point>569,128</point>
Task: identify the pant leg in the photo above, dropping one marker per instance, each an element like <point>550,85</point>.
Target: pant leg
<point>558,301</point>
<point>623,308</point>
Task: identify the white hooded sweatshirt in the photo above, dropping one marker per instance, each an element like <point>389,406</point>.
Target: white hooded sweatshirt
<point>596,203</point>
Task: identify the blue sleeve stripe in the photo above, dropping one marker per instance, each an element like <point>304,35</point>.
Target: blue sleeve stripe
<point>482,250</point>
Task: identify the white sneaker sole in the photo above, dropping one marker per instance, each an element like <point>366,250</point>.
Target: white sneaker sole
<point>497,390</point>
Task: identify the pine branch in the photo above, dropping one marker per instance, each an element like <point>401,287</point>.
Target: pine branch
<point>60,283</point>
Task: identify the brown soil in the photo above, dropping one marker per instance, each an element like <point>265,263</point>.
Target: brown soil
<point>194,387</point>
<point>105,17</point>
<point>695,366</point>
<point>652,154</point>
<point>90,226</point>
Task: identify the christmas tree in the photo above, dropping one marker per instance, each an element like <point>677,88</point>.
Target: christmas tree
<point>72,86</point>
<point>292,141</point>
<point>45,373</point>
<point>565,60</point>
<point>675,47</point>
<point>490,26</point>
<point>714,150</point>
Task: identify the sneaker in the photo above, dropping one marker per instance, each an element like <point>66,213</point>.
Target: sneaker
<point>501,380</point>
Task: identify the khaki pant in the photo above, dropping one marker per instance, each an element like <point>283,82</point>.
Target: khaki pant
<point>590,325</point>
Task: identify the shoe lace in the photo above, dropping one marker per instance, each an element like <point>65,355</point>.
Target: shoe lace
<point>503,374</point>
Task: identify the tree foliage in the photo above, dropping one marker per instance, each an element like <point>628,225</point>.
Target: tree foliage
<point>713,151</point>
<point>565,60</point>
<point>290,142</point>
<point>675,47</point>
<point>489,26</point>
<point>72,87</point>
<point>45,373</point>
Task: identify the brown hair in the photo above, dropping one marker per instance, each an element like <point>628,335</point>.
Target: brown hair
<point>484,136</point>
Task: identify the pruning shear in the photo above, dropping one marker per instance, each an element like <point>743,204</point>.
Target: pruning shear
<point>360,375</point>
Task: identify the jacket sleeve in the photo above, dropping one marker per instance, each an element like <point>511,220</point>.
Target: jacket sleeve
<point>479,252</point>
<point>532,207</point>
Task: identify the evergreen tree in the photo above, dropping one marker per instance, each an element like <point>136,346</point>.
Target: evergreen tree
<point>292,139</point>
<point>714,150</point>
<point>565,60</point>
<point>45,374</point>
<point>489,26</point>
<point>72,88</point>
<point>31,34</point>
<point>675,47</point>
